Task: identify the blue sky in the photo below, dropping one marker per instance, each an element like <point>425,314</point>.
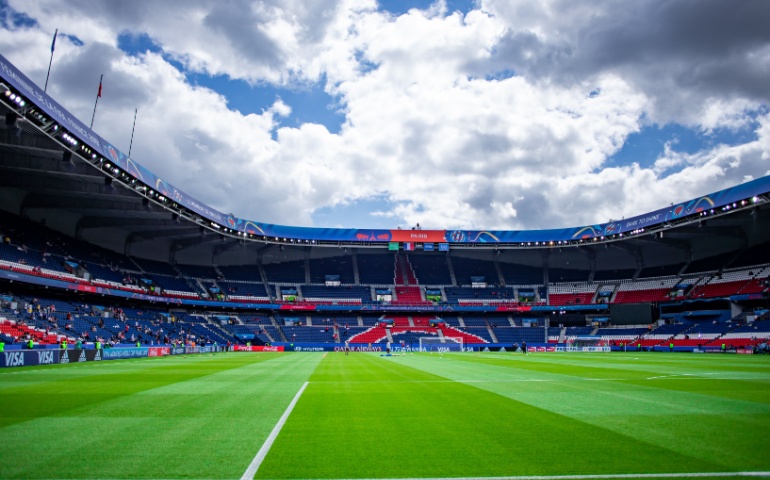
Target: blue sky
<point>456,114</point>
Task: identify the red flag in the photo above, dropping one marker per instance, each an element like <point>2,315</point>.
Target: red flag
<point>99,94</point>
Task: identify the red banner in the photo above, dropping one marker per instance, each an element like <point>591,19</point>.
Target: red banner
<point>244,348</point>
<point>158,351</point>
<point>418,236</point>
<point>291,306</point>
<point>513,308</point>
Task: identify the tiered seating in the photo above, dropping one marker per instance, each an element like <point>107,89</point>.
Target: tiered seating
<point>198,271</point>
<point>574,332</point>
<point>244,292</point>
<point>480,332</point>
<point>376,268</point>
<point>514,274</point>
<point>662,335</point>
<point>755,285</point>
<point>340,320</point>
<point>471,296</point>
<point>410,296</point>
<point>202,333</point>
<point>451,320</point>
<point>309,334</point>
<point>174,286</point>
<point>352,331</point>
<point>339,265</point>
<point>621,334</point>
<point>465,268</point>
<point>410,338</point>
<point>749,334</point>
<point>468,338</point>
<point>291,272</point>
<point>269,333</point>
<point>419,331</point>
<point>156,268</point>
<point>430,269</point>
<point>553,333</point>
<point>104,273</point>
<point>571,293</point>
<point>471,321</point>
<point>256,319</point>
<point>422,320</point>
<point>510,335</point>
<point>700,334</point>
<point>404,272</point>
<point>370,320</point>
<point>371,335</point>
<point>241,273</point>
<point>730,283</point>
<point>643,291</point>
<point>399,321</point>
<point>605,292</point>
<point>13,330</point>
<point>338,295</point>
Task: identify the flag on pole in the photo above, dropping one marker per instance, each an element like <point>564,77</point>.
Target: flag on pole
<point>50,61</point>
<point>96,102</point>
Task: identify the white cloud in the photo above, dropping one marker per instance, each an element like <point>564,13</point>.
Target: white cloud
<point>481,120</point>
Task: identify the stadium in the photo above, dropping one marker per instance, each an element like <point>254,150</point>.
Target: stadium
<point>420,353</point>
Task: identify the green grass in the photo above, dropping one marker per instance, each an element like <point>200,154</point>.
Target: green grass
<point>367,416</point>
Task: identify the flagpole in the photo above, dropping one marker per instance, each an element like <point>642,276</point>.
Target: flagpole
<point>98,94</point>
<point>132,133</point>
<point>53,46</point>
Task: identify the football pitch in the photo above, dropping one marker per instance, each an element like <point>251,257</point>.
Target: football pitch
<point>328,415</point>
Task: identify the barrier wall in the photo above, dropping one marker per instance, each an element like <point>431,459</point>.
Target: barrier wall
<point>24,358</point>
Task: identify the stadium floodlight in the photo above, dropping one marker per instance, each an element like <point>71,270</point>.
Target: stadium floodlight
<point>441,344</point>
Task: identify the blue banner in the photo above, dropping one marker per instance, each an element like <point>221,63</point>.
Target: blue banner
<point>22,358</point>
<point>113,353</point>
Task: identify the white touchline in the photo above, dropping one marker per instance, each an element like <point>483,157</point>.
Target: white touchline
<point>604,476</point>
<point>262,453</point>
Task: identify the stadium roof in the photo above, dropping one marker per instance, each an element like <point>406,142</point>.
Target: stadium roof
<point>55,169</point>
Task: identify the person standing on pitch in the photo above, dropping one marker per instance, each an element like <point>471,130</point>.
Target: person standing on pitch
<point>524,347</point>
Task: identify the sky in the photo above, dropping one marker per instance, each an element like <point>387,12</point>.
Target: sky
<point>481,114</point>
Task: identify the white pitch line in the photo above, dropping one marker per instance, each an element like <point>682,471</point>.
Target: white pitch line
<point>262,453</point>
<point>604,476</point>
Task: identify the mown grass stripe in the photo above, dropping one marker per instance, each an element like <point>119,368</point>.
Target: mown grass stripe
<point>602,476</point>
<point>260,456</point>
